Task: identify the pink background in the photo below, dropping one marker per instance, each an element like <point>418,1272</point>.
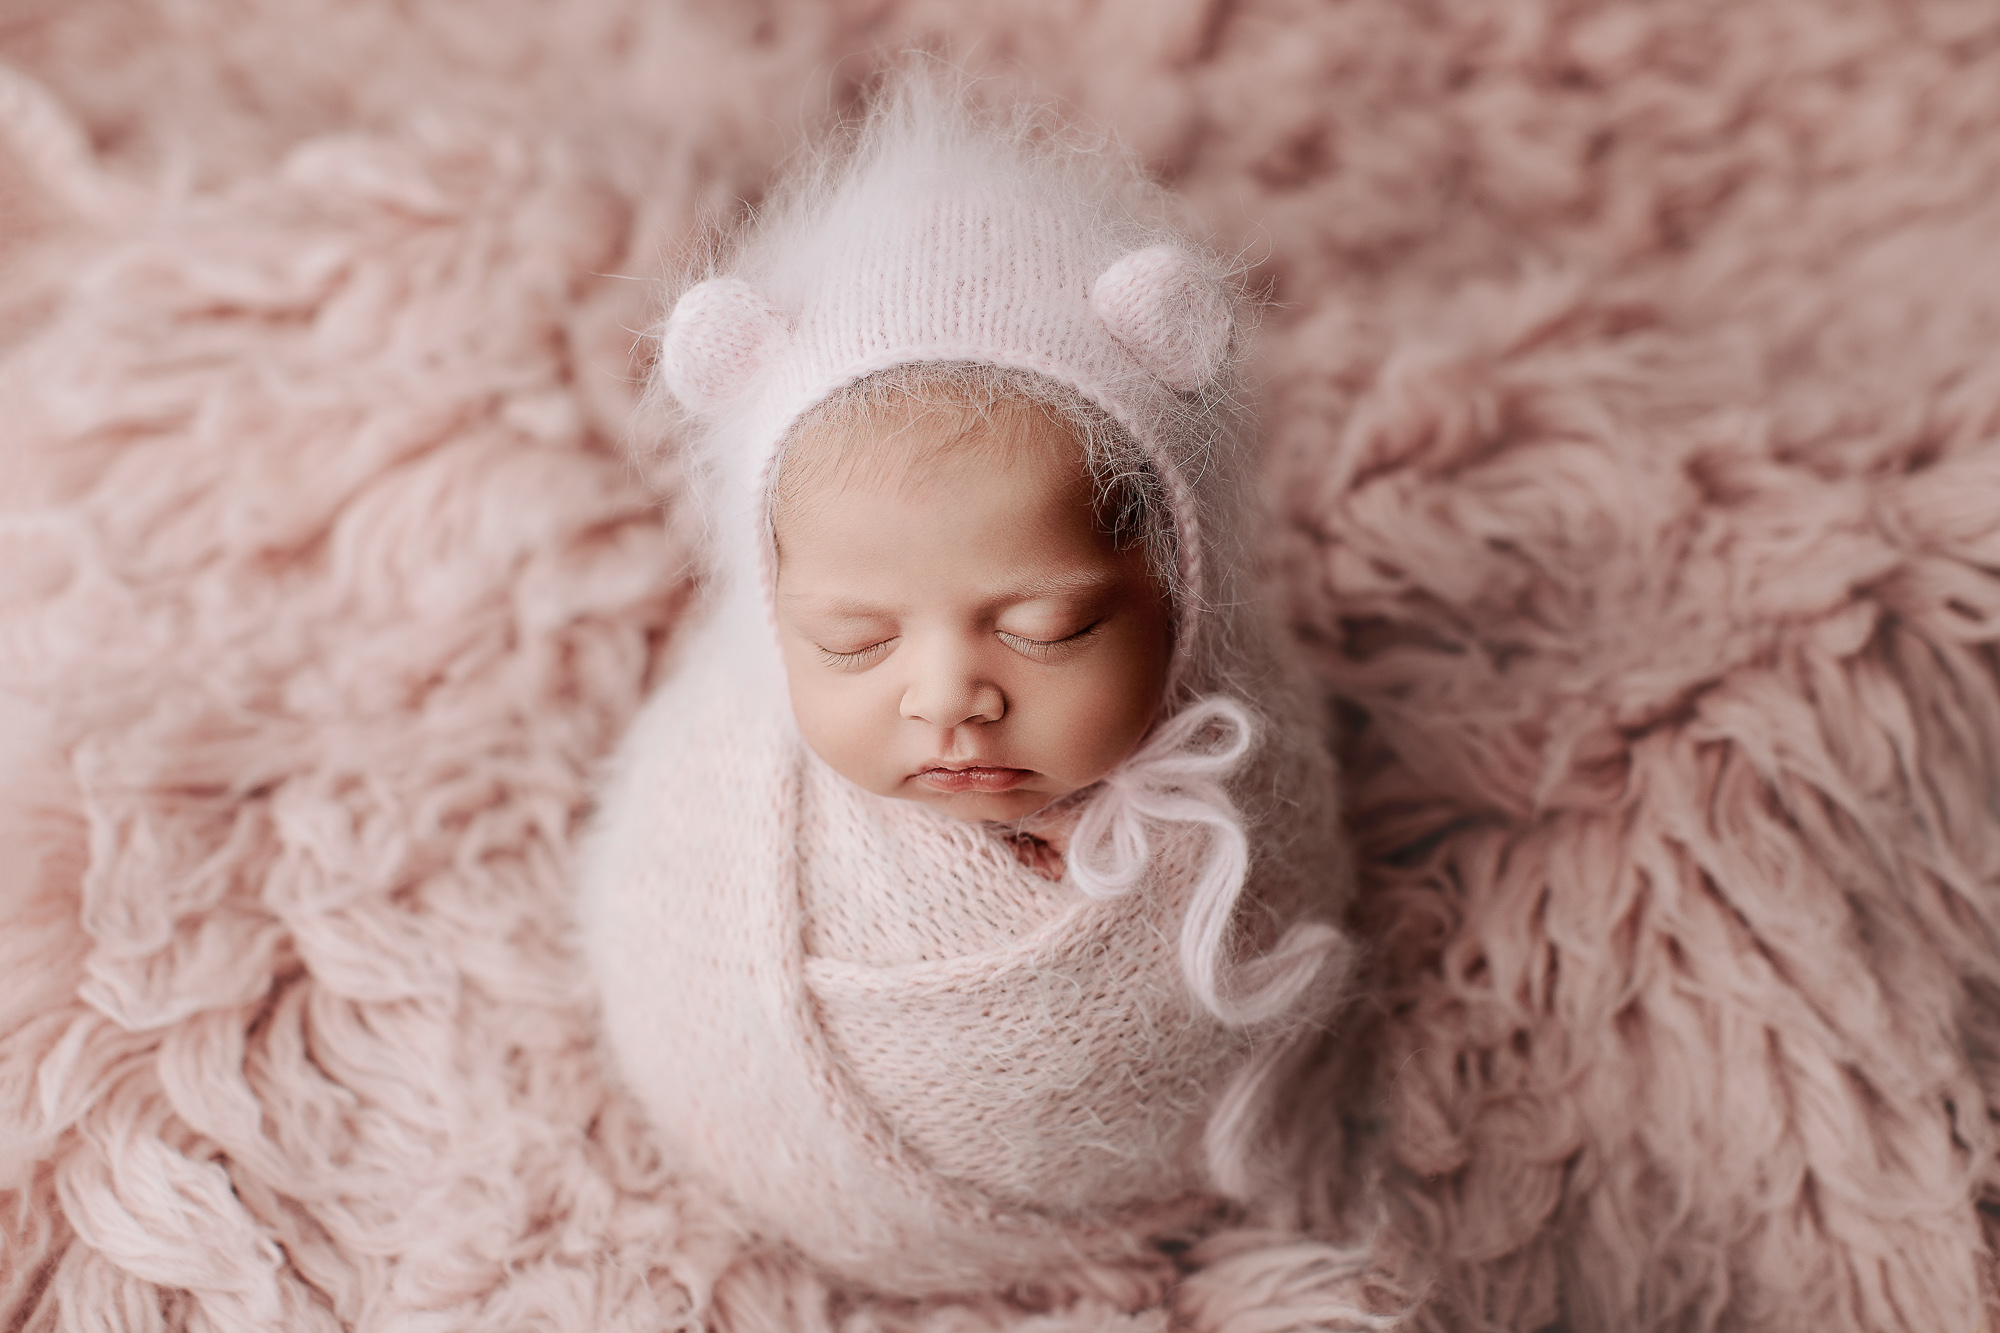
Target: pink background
<point>1633,407</point>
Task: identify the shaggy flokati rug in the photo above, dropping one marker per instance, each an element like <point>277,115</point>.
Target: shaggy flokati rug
<point>1632,390</point>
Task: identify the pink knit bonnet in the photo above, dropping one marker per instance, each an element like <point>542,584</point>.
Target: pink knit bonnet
<point>951,236</point>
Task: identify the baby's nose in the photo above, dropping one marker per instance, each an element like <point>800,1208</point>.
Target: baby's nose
<point>946,689</point>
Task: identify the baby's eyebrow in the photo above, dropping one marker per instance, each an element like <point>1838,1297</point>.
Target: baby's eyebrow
<point>1079,584</point>
<point>835,605</point>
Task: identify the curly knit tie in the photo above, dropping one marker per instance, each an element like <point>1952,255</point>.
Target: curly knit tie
<point>1177,777</point>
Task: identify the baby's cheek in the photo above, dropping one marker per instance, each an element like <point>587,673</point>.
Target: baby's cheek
<point>837,723</point>
<point>1097,718</point>
<point>1130,697</point>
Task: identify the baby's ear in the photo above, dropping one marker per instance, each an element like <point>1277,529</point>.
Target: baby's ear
<point>1164,308</point>
<point>721,331</point>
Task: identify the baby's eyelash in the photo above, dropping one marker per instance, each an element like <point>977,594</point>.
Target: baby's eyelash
<point>1048,647</point>
<point>859,657</point>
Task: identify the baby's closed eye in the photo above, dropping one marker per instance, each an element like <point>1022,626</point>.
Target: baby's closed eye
<point>863,654</point>
<point>1047,644</point>
<point>1050,619</point>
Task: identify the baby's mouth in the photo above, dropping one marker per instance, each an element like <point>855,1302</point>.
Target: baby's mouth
<point>972,777</point>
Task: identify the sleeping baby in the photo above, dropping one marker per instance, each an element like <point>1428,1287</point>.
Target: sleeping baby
<point>961,898</point>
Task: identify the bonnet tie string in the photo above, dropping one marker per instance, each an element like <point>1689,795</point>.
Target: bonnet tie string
<point>1177,777</point>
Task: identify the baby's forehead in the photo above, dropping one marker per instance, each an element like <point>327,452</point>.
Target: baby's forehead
<point>945,434</point>
<point>906,441</point>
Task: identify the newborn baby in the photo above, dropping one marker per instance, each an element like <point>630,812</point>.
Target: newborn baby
<point>958,900</point>
<point>966,620</point>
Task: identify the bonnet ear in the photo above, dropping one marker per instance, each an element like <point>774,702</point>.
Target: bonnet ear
<point>721,331</point>
<point>1164,308</point>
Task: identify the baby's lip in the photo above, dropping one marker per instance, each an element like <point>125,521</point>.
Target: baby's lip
<point>946,776</point>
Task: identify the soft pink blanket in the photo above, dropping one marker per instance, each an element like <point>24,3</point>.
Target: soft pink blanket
<point>1634,410</point>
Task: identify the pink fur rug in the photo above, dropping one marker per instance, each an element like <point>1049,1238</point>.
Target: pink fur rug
<point>1633,391</point>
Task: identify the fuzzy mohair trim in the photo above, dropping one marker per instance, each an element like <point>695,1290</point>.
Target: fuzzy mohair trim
<point>1633,412</point>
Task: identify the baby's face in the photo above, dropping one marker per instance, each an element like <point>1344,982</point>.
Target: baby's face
<point>962,634</point>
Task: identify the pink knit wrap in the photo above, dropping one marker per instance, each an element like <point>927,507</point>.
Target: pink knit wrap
<point>888,1042</point>
<point>868,1025</point>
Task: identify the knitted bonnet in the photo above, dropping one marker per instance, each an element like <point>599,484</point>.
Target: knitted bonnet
<point>870,1028</point>
<point>946,235</point>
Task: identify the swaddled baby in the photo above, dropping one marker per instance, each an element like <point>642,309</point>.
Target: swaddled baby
<point>957,901</point>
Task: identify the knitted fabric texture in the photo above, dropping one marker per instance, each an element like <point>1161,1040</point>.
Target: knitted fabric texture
<point>891,1044</point>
